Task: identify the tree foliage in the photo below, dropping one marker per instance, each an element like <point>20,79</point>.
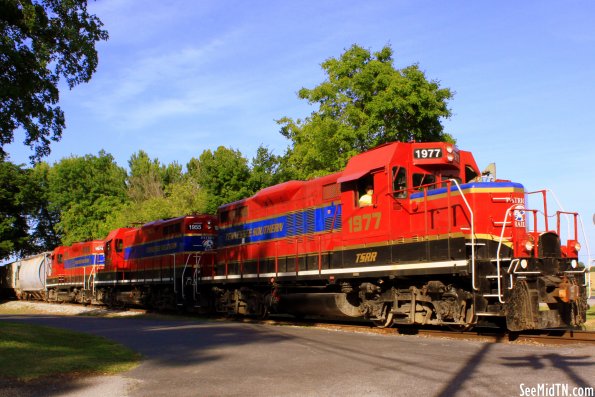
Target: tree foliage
<point>86,190</point>
<point>157,191</point>
<point>363,103</point>
<point>224,174</point>
<point>42,216</point>
<point>266,169</point>
<point>42,41</point>
<point>13,210</point>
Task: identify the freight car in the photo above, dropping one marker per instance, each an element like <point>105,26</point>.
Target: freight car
<point>25,278</point>
<point>436,243</point>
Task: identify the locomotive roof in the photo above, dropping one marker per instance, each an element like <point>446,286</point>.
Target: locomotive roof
<point>363,163</point>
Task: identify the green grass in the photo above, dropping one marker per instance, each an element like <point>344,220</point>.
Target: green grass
<point>29,352</point>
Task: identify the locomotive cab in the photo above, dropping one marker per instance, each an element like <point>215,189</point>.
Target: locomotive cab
<point>457,245</point>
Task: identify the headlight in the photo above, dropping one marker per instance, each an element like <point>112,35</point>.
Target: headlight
<point>574,263</point>
<point>450,157</point>
<point>529,246</point>
<point>524,263</point>
<point>577,246</point>
<point>449,149</point>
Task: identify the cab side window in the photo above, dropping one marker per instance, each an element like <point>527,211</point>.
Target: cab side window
<point>399,182</point>
<point>365,191</point>
<point>470,174</point>
<point>420,180</point>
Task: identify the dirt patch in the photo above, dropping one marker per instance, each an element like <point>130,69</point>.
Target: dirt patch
<point>33,307</point>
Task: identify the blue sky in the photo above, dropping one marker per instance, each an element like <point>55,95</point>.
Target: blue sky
<point>179,77</point>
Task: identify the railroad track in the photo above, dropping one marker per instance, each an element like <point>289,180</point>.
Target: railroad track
<point>491,335</point>
<point>547,337</point>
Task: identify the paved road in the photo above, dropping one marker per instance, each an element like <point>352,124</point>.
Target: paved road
<point>185,358</point>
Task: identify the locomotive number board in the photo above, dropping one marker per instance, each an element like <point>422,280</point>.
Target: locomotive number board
<point>428,153</point>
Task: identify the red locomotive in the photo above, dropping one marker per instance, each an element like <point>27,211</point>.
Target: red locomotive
<point>159,263</point>
<point>73,272</point>
<point>435,242</point>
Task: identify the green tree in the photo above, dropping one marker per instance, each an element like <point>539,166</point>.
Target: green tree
<point>364,102</point>
<point>42,41</point>
<point>224,174</point>
<point>86,190</point>
<point>144,179</point>
<point>42,218</point>
<point>13,209</point>
<point>265,170</point>
<point>181,198</point>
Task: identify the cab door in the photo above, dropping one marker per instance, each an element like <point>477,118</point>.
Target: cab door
<point>365,221</point>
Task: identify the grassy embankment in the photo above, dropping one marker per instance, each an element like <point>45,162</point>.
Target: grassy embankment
<point>29,352</point>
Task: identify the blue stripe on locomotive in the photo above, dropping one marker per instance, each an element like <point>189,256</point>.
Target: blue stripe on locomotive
<point>175,245</point>
<point>312,220</point>
<point>472,185</point>
<point>87,260</point>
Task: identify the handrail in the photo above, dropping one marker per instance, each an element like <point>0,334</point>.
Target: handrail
<point>197,271</point>
<point>182,276</point>
<point>174,276</point>
<point>498,274</point>
<point>472,233</point>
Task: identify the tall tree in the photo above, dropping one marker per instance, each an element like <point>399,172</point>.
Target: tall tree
<point>364,102</point>
<point>157,191</point>
<point>265,170</point>
<point>86,190</point>
<point>42,217</point>
<point>144,179</point>
<point>224,174</point>
<point>13,221</point>
<point>42,41</point>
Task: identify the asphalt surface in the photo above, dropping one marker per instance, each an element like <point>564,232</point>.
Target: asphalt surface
<point>203,358</point>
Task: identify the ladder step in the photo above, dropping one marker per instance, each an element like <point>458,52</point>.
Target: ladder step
<point>493,277</point>
<point>475,243</point>
<point>491,295</point>
<point>486,314</point>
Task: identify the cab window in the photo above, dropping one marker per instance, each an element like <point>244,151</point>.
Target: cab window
<point>420,180</point>
<point>365,191</point>
<point>399,182</point>
<point>119,245</point>
<point>470,174</point>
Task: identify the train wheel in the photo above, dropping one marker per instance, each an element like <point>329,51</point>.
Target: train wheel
<point>386,320</point>
<point>468,314</point>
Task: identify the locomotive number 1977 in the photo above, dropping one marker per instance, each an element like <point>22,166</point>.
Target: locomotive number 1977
<point>427,153</point>
<point>365,222</point>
